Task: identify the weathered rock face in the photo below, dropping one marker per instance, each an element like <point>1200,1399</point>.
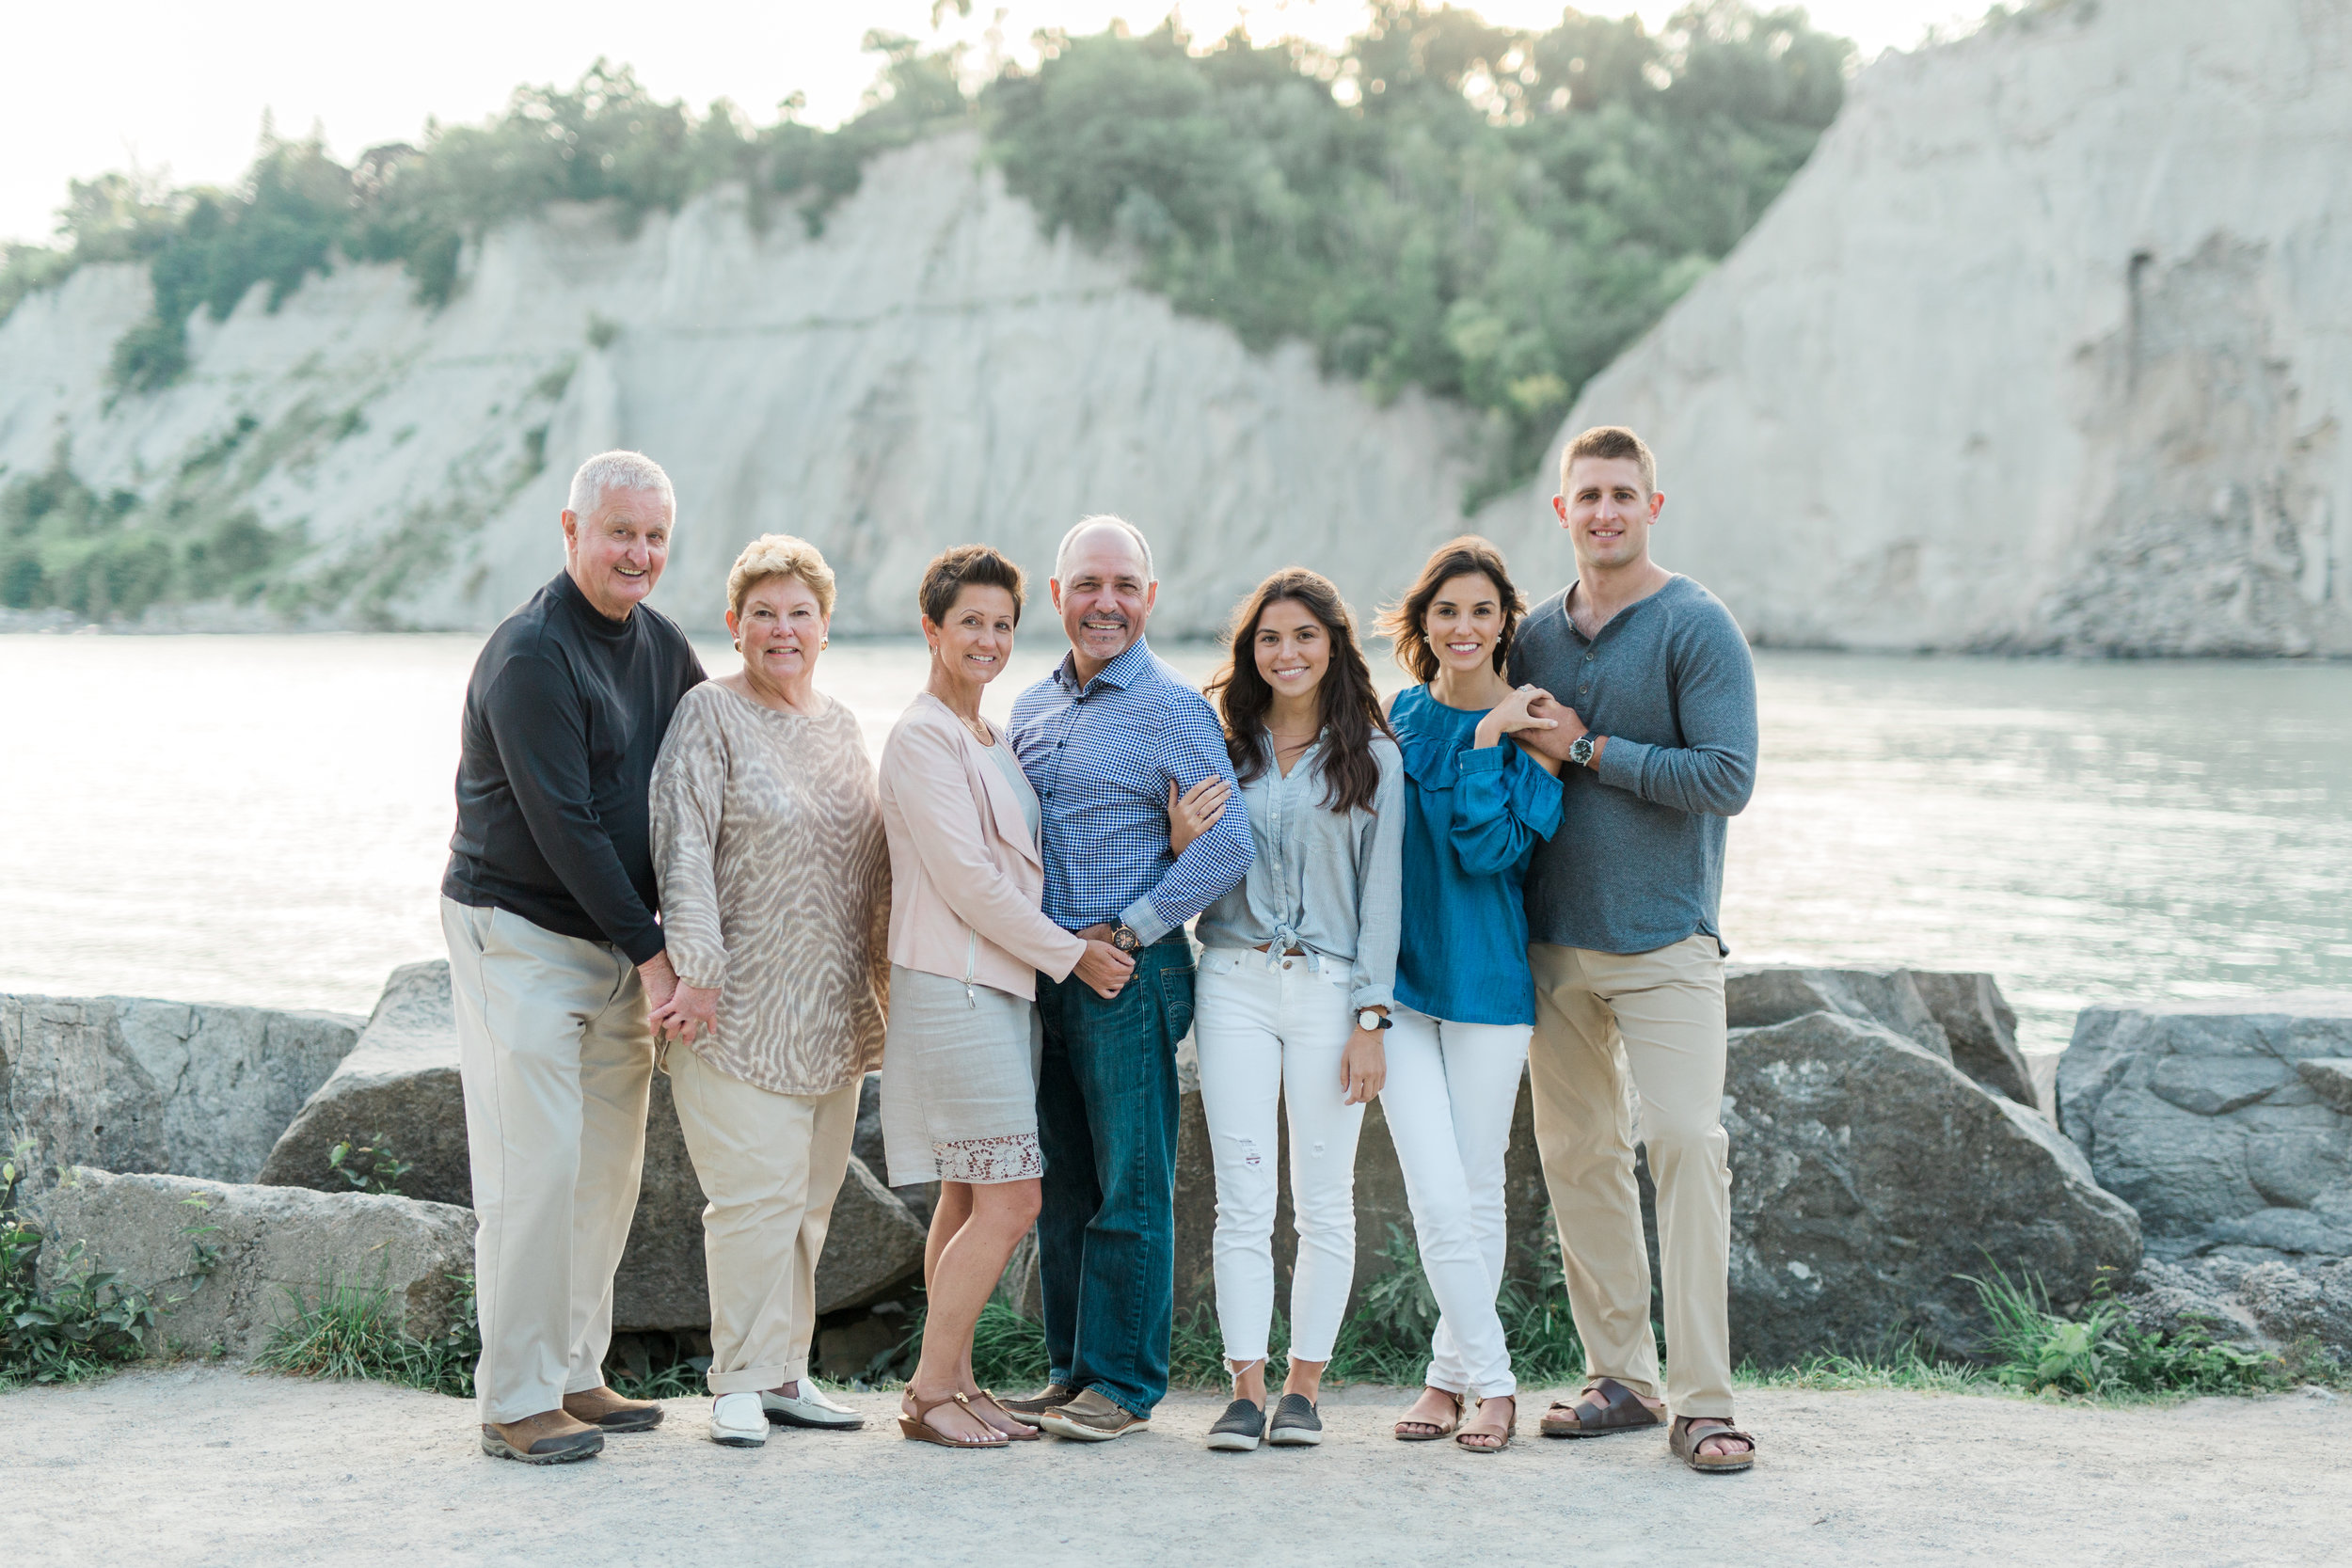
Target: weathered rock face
<point>404,1082</point>
<point>1868,1175</point>
<point>394,1088</point>
<point>2205,1118</point>
<point>2087,271</point>
<point>1959,1017</point>
<point>929,371</point>
<point>273,1244</point>
<point>128,1085</point>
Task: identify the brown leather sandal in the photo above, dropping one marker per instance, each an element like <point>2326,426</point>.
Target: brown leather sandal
<point>1019,1430</point>
<point>1619,1409</point>
<point>1429,1432</point>
<point>918,1429</point>
<point>1685,1444</point>
<point>1508,1433</point>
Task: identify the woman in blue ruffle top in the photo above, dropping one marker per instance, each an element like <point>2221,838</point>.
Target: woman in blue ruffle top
<point>1475,805</point>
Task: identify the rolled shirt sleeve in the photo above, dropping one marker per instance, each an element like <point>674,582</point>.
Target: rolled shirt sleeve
<point>1193,748</point>
<point>1380,889</point>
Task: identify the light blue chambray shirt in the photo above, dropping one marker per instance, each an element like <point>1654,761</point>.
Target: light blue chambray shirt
<point>1329,882</point>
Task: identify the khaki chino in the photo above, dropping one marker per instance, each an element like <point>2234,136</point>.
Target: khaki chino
<point>770,1165</point>
<point>557,1059</point>
<point>1658,1015</point>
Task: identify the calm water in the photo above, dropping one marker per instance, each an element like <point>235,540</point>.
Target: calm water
<point>263,820</point>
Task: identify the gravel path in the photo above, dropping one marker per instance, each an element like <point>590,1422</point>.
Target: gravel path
<point>208,1465</point>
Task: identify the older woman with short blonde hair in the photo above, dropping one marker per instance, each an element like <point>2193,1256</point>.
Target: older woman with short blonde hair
<point>775,899</point>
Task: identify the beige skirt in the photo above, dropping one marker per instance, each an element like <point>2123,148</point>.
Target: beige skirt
<point>958,1082</point>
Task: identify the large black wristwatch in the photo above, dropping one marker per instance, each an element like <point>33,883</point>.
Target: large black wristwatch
<point>1123,938</point>
<point>1580,750</point>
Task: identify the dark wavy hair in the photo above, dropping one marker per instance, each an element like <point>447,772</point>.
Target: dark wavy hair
<point>1351,705</point>
<point>964,566</point>
<point>1406,622</point>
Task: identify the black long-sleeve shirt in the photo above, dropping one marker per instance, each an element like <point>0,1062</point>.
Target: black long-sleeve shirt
<point>564,715</point>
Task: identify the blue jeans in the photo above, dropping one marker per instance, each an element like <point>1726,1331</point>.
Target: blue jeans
<point>1106,1121</point>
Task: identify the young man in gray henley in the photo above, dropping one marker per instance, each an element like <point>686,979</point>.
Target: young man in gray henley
<point>1654,696</point>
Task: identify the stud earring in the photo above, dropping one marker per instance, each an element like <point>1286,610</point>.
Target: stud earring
<point>824,641</point>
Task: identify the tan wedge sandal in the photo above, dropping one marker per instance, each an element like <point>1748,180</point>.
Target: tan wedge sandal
<point>918,1429</point>
<point>1429,1432</point>
<point>1510,1431</point>
<point>1018,1431</point>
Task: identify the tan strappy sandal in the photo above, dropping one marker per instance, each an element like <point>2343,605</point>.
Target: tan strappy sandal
<point>1429,1432</point>
<point>1508,1433</point>
<point>918,1429</point>
<point>1686,1442</point>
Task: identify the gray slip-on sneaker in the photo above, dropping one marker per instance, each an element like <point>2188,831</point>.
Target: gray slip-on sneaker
<point>1238,1430</point>
<point>1295,1423</point>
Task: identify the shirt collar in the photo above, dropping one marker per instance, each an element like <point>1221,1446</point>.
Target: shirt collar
<point>1118,674</point>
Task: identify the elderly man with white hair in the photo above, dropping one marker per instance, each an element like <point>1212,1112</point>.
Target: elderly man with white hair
<point>554,957</point>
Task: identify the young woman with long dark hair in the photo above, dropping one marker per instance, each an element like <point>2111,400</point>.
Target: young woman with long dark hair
<point>1475,804</point>
<point>1295,980</point>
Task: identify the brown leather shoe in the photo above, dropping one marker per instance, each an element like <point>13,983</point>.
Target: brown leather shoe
<point>1028,1411</point>
<point>550,1438</point>
<point>1090,1417</point>
<point>601,1408</point>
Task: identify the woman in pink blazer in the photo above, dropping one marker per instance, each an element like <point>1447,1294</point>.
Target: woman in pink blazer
<point>966,943</point>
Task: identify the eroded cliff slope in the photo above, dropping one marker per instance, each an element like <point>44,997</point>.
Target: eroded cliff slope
<point>2048,347</point>
<point>928,371</point>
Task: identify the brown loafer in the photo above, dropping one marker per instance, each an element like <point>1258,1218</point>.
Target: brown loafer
<point>550,1438</point>
<point>1606,1406</point>
<point>601,1408</point>
<point>1090,1417</point>
<point>1028,1411</point>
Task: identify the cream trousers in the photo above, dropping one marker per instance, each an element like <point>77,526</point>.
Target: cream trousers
<point>1659,1016</point>
<point>770,1165</point>
<point>556,1059</point>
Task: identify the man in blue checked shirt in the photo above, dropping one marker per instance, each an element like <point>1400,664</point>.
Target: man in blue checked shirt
<point>1107,740</point>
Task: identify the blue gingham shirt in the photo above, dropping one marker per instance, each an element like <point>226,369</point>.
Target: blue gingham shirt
<point>1100,758</point>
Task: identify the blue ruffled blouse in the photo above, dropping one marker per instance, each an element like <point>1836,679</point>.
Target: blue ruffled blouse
<point>1472,819</point>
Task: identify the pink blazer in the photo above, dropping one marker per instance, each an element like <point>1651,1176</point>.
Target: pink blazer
<point>965,882</point>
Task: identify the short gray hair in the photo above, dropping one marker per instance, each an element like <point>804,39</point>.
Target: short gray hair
<point>618,471</point>
<point>1103,519</point>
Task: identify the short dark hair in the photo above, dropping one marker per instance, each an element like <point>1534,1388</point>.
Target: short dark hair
<point>1404,622</point>
<point>952,571</point>
<point>1608,442</point>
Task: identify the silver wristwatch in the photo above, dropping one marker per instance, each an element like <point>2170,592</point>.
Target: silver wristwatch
<point>1580,750</point>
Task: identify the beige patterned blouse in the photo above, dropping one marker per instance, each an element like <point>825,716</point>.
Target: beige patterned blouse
<point>775,887</point>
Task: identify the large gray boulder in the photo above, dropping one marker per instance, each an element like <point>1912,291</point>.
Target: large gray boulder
<point>269,1247</point>
<point>1961,1017</point>
<point>2223,1123</point>
<point>404,1083</point>
<point>126,1084</point>
<point>394,1090</point>
<point>1868,1175</point>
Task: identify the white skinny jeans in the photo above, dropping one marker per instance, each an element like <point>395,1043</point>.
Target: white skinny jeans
<point>1269,1034</point>
<point>1450,1095</point>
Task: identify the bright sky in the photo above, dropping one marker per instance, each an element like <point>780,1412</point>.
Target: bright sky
<point>178,88</point>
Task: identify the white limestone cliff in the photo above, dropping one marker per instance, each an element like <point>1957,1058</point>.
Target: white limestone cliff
<point>928,371</point>
<point>2048,347</point>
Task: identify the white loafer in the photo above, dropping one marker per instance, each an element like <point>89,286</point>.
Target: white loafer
<point>809,1408</point>
<point>737,1421</point>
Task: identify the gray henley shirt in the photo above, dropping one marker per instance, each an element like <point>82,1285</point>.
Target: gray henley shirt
<point>1638,862</point>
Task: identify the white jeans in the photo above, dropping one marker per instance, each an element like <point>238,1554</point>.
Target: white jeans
<point>1271,1034</point>
<point>1450,1095</point>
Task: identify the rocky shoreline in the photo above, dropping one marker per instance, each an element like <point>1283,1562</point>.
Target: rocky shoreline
<point>2191,1161</point>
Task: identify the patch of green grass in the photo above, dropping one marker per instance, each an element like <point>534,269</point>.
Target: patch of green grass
<point>2102,1353</point>
<point>354,1331</point>
<point>87,1323</point>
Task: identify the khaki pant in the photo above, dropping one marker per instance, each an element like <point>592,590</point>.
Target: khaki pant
<point>1660,1014</point>
<point>556,1057</point>
<point>770,1165</point>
